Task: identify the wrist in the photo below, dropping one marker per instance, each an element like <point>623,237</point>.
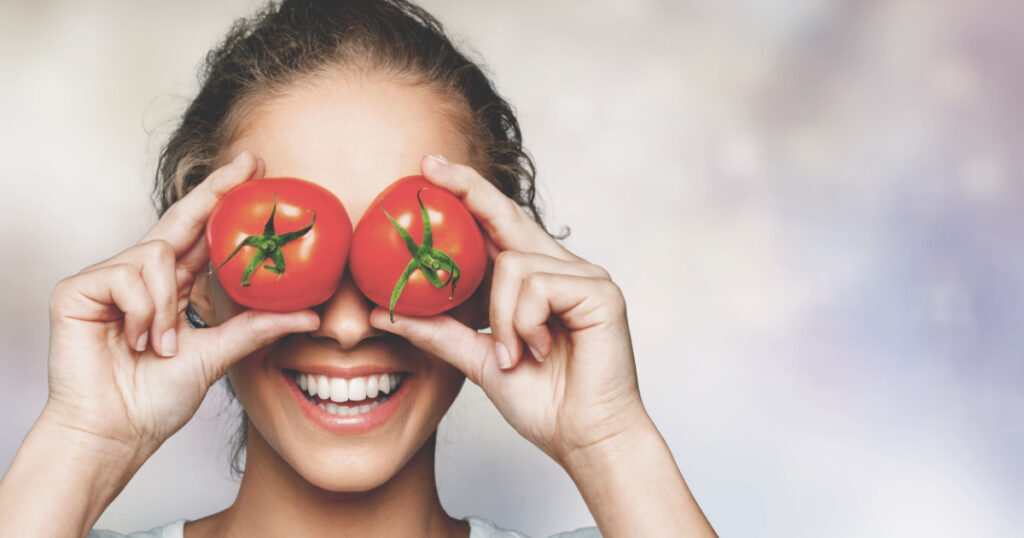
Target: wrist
<point>632,485</point>
<point>611,449</point>
<point>84,445</point>
<point>61,469</point>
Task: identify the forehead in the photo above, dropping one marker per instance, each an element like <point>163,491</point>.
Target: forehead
<point>354,134</point>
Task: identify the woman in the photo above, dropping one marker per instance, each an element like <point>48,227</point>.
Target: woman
<point>350,95</point>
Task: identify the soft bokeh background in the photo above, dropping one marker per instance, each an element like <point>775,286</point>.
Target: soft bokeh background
<point>814,210</point>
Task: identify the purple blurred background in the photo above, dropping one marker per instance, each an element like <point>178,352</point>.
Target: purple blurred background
<point>810,206</point>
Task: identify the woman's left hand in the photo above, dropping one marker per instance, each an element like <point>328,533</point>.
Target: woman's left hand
<point>558,364</point>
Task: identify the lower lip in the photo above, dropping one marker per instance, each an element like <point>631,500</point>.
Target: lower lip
<point>350,424</point>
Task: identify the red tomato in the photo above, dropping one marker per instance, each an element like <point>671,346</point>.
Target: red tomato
<point>398,268</point>
<point>279,244</point>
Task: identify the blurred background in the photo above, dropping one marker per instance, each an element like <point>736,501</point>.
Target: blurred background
<point>810,206</point>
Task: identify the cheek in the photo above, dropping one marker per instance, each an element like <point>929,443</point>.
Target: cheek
<point>241,379</point>
<point>449,383</point>
<point>252,386</point>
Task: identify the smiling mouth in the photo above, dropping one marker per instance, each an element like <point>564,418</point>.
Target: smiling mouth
<point>348,396</point>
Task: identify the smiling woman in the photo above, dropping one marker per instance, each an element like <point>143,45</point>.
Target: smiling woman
<point>342,401</point>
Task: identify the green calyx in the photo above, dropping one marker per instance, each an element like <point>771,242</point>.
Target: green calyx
<point>268,245</point>
<point>425,258</point>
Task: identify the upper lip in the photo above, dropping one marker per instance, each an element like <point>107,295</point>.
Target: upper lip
<point>313,357</point>
<point>344,371</point>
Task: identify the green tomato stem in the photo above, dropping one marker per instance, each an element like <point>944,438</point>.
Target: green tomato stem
<point>425,258</point>
<point>268,245</point>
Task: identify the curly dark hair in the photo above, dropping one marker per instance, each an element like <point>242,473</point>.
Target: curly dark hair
<point>293,40</point>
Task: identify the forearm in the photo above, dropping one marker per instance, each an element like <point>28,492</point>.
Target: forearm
<point>632,486</point>
<point>61,481</point>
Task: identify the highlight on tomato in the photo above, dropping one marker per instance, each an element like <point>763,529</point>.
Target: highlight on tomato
<point>417,250</point>
<point>279,244</point>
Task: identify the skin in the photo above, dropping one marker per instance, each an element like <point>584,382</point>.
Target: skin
<point>559,329</point>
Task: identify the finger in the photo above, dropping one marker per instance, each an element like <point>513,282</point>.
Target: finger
<point>462,347</point>
<point>217,348</point>
<point>531,317</point>
<point>155,262</point>
<point>511,269</point>
<point>106,294</point>
<point>184,222</point>
<point>157,267</point>
<point>580,302</point>
<point>196,257</point>
<point>504,221</point>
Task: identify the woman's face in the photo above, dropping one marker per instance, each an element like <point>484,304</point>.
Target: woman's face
<point>354,135</point>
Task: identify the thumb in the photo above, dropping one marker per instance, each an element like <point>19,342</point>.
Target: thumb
<point>217,348</point>
<point>445,337</point>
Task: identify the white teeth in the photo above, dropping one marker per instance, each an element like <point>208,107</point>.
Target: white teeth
<point>357,389</point>
<point>344,411</point>
<point>371,386</point>
<point>339,389</point>
<point>323,387</point>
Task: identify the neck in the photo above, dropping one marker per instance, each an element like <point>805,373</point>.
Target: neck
<point>274,500</point>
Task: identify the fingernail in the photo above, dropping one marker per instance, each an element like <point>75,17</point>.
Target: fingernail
<point>504,359</point>
<point>439,158</point>
<point>536,354</point>
<point>141,344</point>
<point>169,343</point>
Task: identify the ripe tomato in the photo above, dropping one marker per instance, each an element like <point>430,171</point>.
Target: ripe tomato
<point>279,244</point>
<point>417,251</point>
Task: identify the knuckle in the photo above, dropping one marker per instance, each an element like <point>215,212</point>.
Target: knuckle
<point>160,250</point>
<point>60,293</point>
<point>124,272</point>
<point>508,262</point>
<point>613,294</point>
<point>535,285</point>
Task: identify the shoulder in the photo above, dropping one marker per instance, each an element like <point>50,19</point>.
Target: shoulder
<point>482,528</point>
<point>170,530</point>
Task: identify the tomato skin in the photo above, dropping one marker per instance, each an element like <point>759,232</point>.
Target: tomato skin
<point>314,262</point>
<point>380,255</point>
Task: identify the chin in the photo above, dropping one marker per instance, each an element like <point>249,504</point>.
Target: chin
<point>349,471</point>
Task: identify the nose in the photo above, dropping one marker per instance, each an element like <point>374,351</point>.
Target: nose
<point>345,317</point>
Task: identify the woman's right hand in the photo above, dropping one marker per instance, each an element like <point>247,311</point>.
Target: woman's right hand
<point>124,365</point>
